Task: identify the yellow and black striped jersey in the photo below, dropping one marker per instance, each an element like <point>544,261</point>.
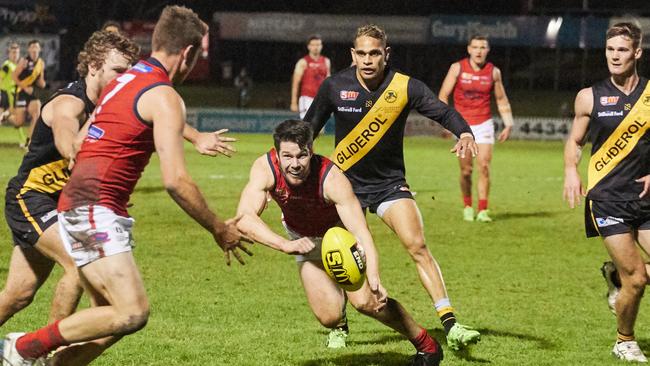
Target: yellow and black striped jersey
<point>43,169</point>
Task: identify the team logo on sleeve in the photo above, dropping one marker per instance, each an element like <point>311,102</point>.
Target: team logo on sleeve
<point>646,100</point>
<point>608,100</point>
<point>349,95</point>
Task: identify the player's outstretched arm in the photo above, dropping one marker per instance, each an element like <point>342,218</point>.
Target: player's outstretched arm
<point>573,188</point>
<point>298,71</point>
<point>337,189</point>
<point>64,113</point>
<point>503,105</point>
<point>251,205</point>
<point>163,107</point>
<point>449,83</point>
<point>209,143</point>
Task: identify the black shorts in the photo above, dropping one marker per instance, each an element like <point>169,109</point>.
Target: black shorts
<point>29,215</point>
<point>372,200</point>
<point>6,100</point>
<point>23,99</point>
<point>605,218</point>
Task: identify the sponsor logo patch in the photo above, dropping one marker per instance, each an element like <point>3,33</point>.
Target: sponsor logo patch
<point>95,132</point>
<point>140,67</point>
<point>391,96</point>
<point>45,218</point>
<point>349,109</point>
<point>610,114</point>
<point>349,95</point>
<point>608,100</point>
<point>646,100</point>
<point>608,221</point>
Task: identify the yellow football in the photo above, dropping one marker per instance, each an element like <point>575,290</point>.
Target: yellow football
<point>343,259</point>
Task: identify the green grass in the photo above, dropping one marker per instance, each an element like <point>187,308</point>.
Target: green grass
<point>529,281</point>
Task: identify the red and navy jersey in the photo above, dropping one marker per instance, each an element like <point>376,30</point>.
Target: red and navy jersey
<point>118,145</point>
<point>315,73</point>
<point>472,92</point>
<point>304,209</point>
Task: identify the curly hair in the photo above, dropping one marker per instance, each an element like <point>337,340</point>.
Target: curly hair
<point>99,45</point>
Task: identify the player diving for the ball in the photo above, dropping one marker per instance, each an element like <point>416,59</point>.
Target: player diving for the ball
<point>314,195</point>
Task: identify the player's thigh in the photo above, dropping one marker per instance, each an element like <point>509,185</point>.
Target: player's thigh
<point>34,107</point>
<point>28,270</point>
<point>50,245</point>
<point>118,280</point>
<point>624,253</point>
<point>404,218</point>
<point>324,296</point>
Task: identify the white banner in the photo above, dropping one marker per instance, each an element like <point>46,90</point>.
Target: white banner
<point>294,27</point>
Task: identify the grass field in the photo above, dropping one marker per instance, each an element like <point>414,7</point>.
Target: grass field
<point>528,281</point>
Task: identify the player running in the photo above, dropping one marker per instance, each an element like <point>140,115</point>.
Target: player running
<point>29,72</point>
<point>32,195</point>
<point>616,111</point>
<point>314,196</point>
<point>7,84</point>
<point>308,75</point>
<point>137,112</point>
<point>472,80</point>
<point>371,102</point>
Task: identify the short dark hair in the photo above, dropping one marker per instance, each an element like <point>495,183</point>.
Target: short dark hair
<point>372,31</point>
<point>626,29</point>
<point>12,45</point>
<point>177,28</point>
<point>111,23</point>
<point>99,45</point>
<point>293,130</point>
<point>478,37</point>
<point>314,37</point>
<point>33,41</point>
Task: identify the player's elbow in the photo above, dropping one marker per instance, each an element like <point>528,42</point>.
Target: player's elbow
<point>174,183</point>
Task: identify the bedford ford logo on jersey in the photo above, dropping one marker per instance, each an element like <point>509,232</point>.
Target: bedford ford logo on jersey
<point>605,101</point>
<point>95,132</point>
<point>608,221</point>
<point>349,95</point>
<point>349,109</point>
<point>610,114</point>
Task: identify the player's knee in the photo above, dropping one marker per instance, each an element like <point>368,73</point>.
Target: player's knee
<point>466,171</point>
<point>366,306</point>
<point>329,319</point>
<point>18,298</point>
<point>416,245</point>
<point>484,168</point>
<point>132,321</point>
<point>636,283</point>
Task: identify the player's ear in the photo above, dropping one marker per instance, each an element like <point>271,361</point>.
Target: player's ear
<point>388,49</point>
<point>638,53</point>
<point>187,52</point>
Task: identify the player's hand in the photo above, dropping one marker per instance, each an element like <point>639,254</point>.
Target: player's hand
<point>294,107</point>
<point>646,185</point>
<point>464,144</point>
<point>380,293</point>
<point>505,133</point>
<point>230,239</point>
<point>573,189</point>
<point>303,245</point>
<point>213,143</point>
